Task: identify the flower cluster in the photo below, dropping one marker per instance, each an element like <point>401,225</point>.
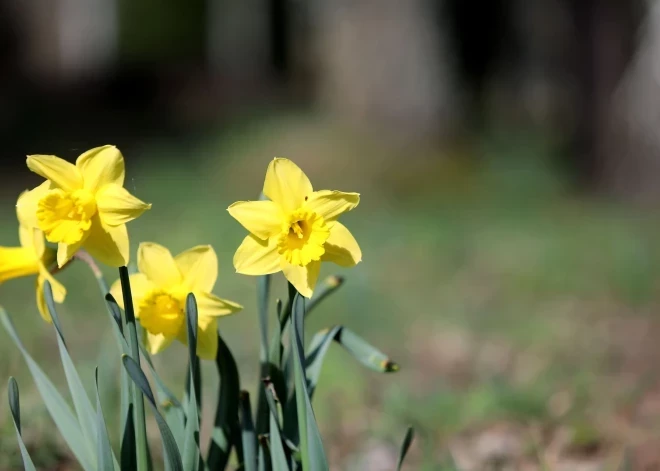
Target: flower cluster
<point>84,206</point>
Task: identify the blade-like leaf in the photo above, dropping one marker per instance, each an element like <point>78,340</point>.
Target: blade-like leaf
<point>81,403</point>
<point>278,456</point>
<point>263,291</point>
<point>172,455</point>
<point>323,290</point>
<point>15,409</point>
<point>407,440</point>
<point>170,405</point>
<point>57,407</point>
<point>141,444</point>
<point>225,428</point>
<point>249,438</point>
<point>314,360</point>
<point>127,425</point>
<point>191,454</point>
<point>311,445</point>
<point>365,353</point>
<point>105,457</point>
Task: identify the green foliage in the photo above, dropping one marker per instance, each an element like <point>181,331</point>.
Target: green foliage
<point>281,435</point>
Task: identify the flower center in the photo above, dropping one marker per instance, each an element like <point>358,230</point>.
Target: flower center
<point>302,237</point>
<point>66,217</point>
<point>161,313</point>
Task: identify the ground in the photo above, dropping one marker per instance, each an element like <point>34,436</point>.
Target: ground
<point>522,314</point>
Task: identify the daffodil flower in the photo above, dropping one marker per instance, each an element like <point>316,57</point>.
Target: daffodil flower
<point>296,230</point>
<point>83,205</point>
<point>31,258</point>
<point>159,296</point>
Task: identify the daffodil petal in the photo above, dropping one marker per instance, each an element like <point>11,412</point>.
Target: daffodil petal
<point>117,206</point>
<point>330,204</point>
<point>63,174</point>
<point>59,292</point>
<point>101,166</point>
<point>257,257</point>
<point>26,207</point>
<point>261,218</point>
<point>16,262</point>
<point>66,251</point>
<point>302,278</point>
<point>140,287</point>
<point>156,343</point>
<point>157,263</point>
<point>209,304</point>
<point>341,247</point>
<point>198,267</point>
<point>108,244</point>
<point>207,338</point>
<point>286,184</point>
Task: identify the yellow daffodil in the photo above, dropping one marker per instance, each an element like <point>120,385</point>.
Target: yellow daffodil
<point>83,205</point>
<point>296,230</point>
<point>31,258</point>
<point>159,296</point>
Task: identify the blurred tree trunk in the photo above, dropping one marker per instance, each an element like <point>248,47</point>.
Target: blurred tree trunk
<point>383,64</point>
<point>605,36</point>
<point>631,143</point>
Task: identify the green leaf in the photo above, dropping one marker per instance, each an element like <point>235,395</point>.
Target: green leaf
<point>172,455</point>
<point>81,403</point>
<point>141,444</point>
<point>311,445</point>
<point>249,438</point>
<point>105,457</point>
<point>263,462</point>
<point>225,427</point>
<point>169,403</point>
<point>365,353</point>
<point>57,407</point>
<point>314,360</point>
<point>128,456</point>
<point>15,408</point>
<point>191,454</point>
<point>323,290</point>
<point>278,456</point>
<point>263,291</point>
<point>407,440</point>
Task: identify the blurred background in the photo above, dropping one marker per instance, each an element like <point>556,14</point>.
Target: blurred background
<point>508,157</point>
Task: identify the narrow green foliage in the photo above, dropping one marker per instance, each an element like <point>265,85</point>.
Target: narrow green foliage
<point>365,353</point>
<point>225,427</point>
<point>311,445</point>
<point>105,459</point>
<point>141,444</point>
<point>57,407</point>
<point>264,463</point>
<point>191,454</point>
<point>323,290</point>
<point>314,360</point>
<point>127,425</point>
<point>263,291</point>
<point>15,409</point>
<point>169,403</point>
<point>278,456</point>
<point>172,455</point>
<point>248,436</point>
<point>407,441</point>
<point>81,403</point>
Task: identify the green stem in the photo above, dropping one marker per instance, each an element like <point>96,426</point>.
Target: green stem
<point>141,445</point>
